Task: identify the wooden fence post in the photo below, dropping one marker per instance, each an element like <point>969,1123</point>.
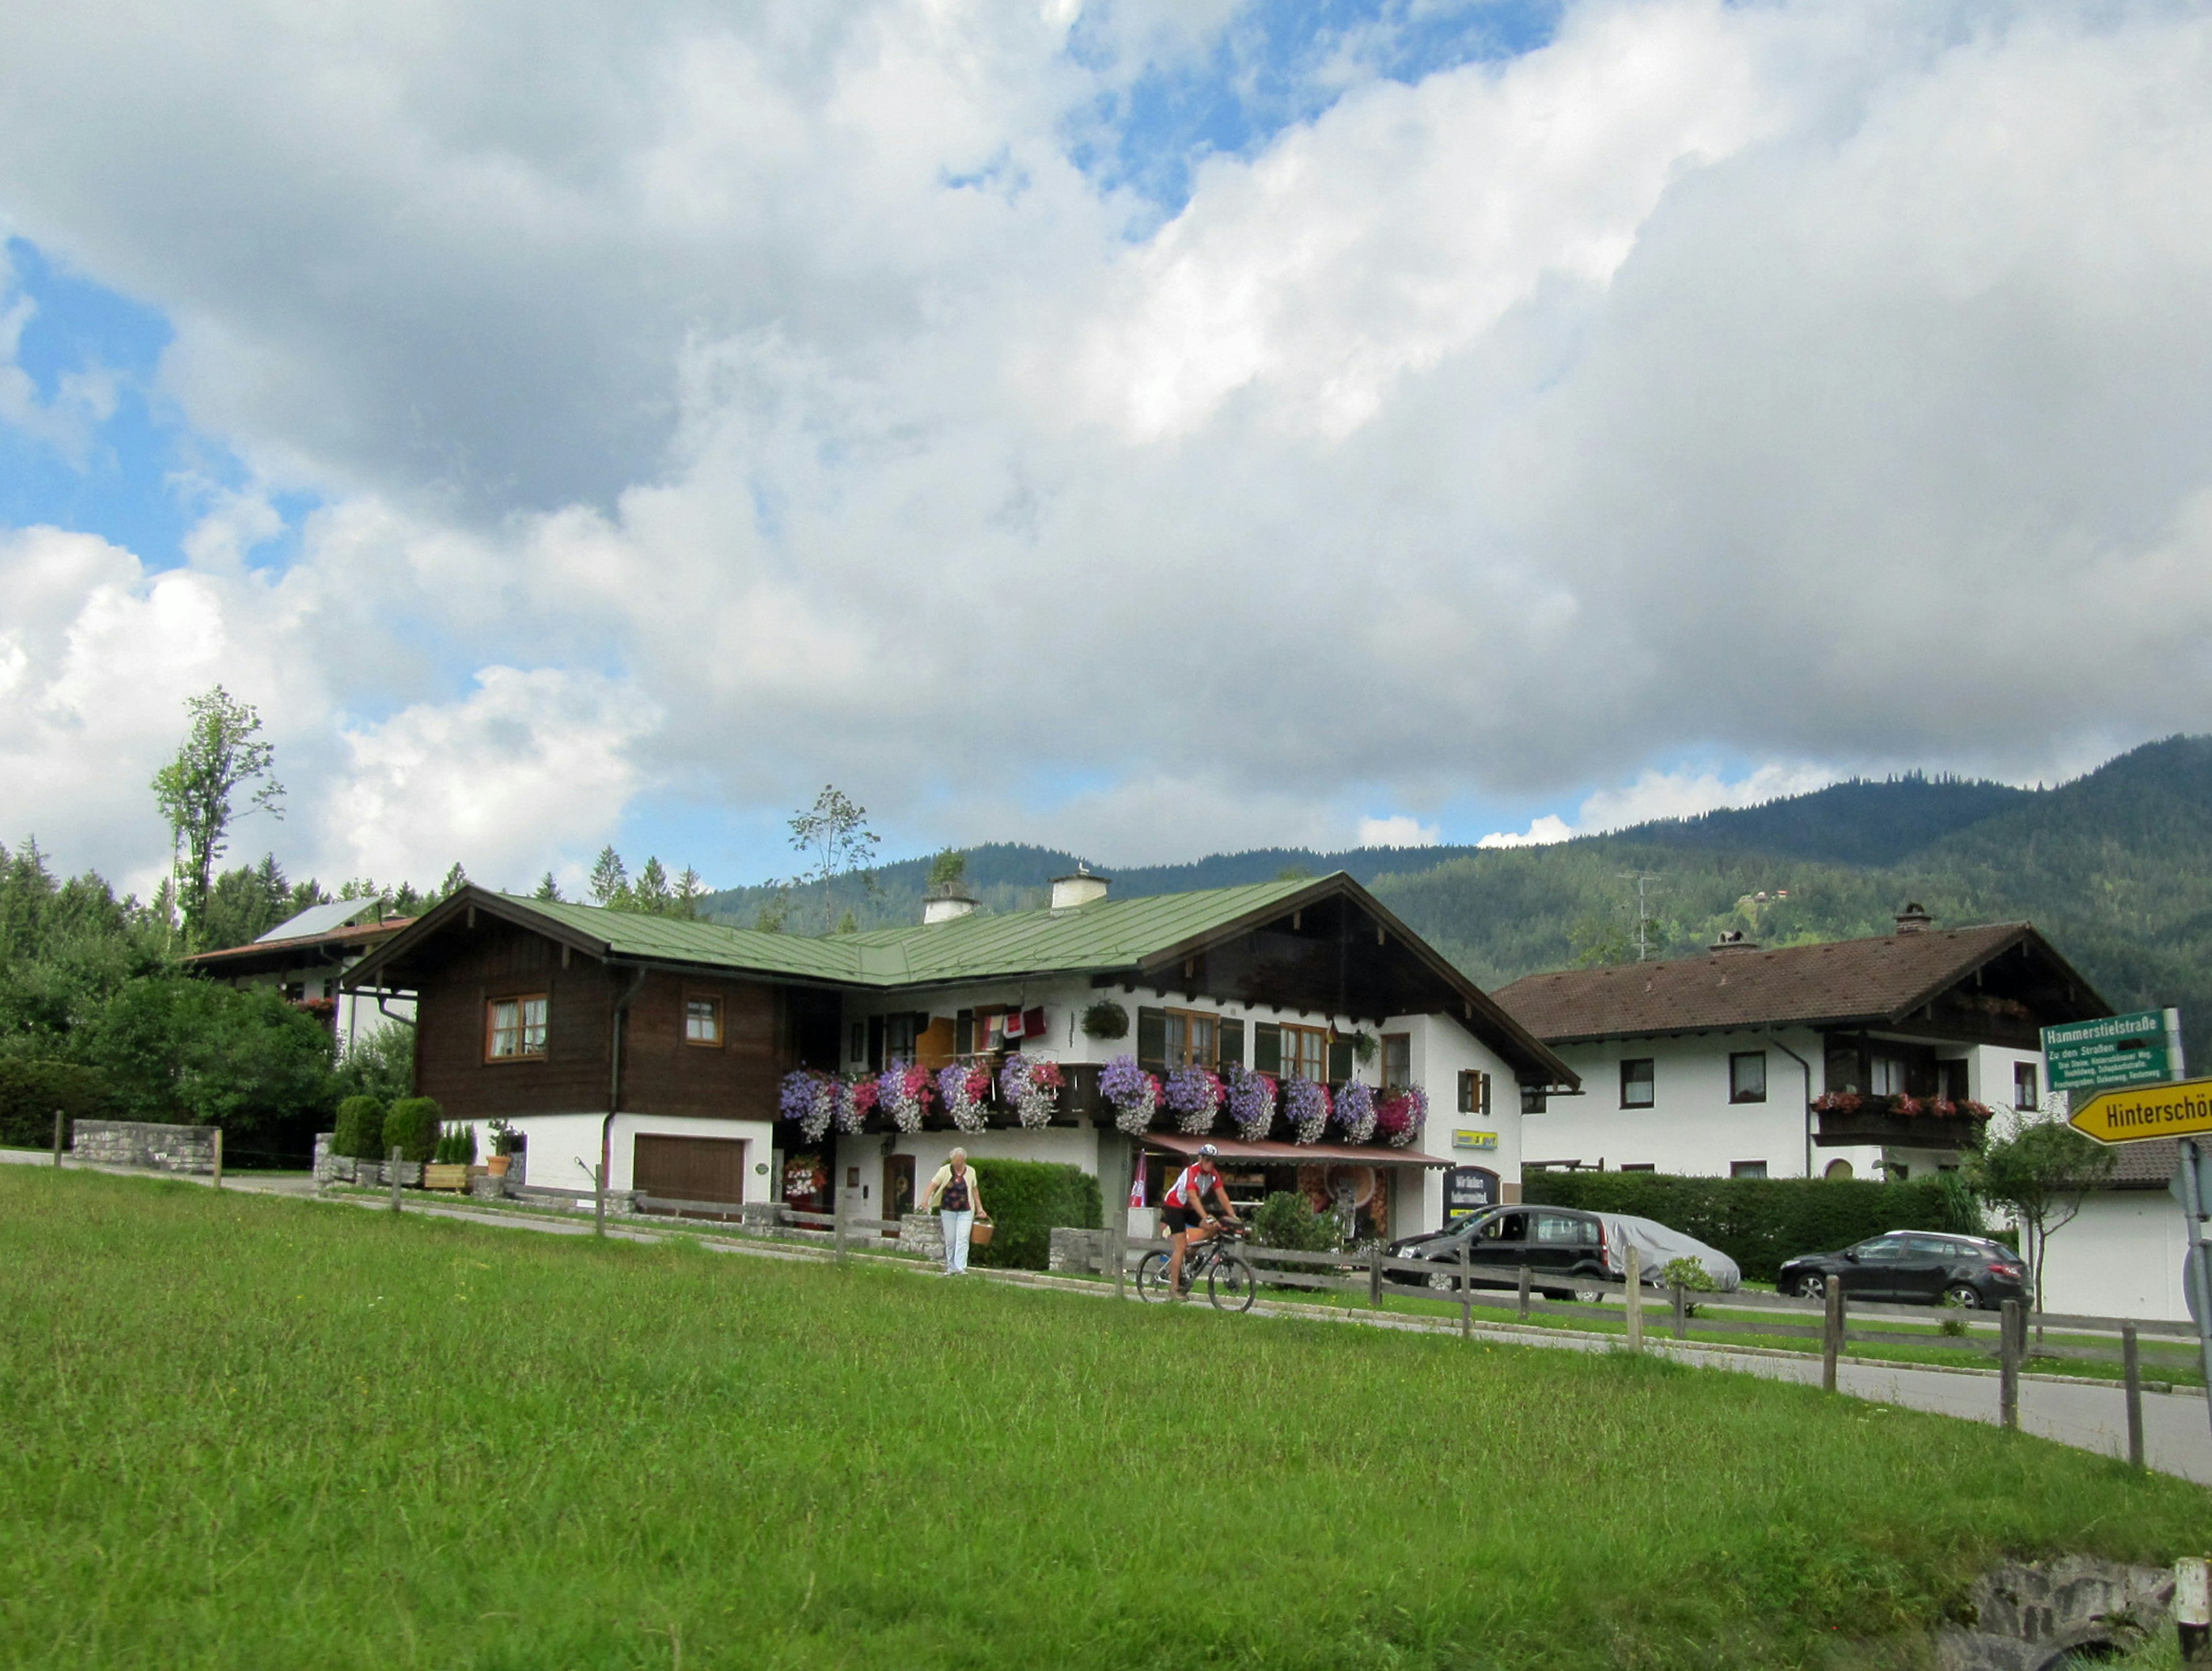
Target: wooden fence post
<point>1681,1312</point>
<point>2010,1331</point>
<point>1524,1293</point>
<point>1831,1336</point>
<point>1375,1273</point>
<point>1631,1267</point>
<point>837,1230</point>
<point>394,1164</point>
<point>2131,1372</point>
<point>1466,1291</point>
<point>59,1120</point>
<point>218,1157</point>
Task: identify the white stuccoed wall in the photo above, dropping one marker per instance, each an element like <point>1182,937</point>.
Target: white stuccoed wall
<point>2120,1258</point>
<point>563,1148</point>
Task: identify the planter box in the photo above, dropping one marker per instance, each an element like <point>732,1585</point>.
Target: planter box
<point>453,1176</point>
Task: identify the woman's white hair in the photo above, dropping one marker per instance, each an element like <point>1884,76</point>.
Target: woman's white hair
<point>957,1154</point>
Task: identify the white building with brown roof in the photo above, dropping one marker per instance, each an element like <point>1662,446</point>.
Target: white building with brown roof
<point>1849,1058</point>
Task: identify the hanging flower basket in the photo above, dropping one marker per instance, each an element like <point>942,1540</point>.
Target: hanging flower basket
<point>1030,1085</point>
<point>856,1101</point>
<point>1355,1112</point>
<point>1401,1115</point>
<point>962,1090</point>
<point>1251,1104</point>
<point>1193,1096</point>
<point>1134,1094</point>
<point>808,1099</point>
<point>903,1093</point>
<point>1305,1105</point>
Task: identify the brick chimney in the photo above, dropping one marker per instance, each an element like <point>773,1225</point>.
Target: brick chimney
<point>948,903</point>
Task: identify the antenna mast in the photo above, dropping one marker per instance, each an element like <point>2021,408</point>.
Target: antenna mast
<point>1643,911</point>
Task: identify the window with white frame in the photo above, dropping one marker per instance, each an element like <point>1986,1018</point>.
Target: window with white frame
<point>2024,1086</point>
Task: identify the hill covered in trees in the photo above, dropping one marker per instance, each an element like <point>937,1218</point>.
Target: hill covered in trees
<point>2116,866</point>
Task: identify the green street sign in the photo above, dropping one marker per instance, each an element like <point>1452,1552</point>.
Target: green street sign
<point>2140,1049</point>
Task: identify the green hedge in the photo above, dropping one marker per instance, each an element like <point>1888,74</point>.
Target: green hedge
<point>411,1127</point>
<point>1757,1222</point>
<point>30,1091</point>
<point>1027,1199</point>
<point>359,1134</point>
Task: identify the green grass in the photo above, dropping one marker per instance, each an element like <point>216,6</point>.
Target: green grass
<point>244,1432</point>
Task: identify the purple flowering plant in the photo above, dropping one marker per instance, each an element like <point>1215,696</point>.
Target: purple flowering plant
<point>1193,1096</point>
<point>1355,1112</point>
<point>1305,1105</point>
<point>1134,1094</point>
<point>1251,1103</point>
<point>962,1090</point>
<point>1032,1085</point>
<point>810,1099</point>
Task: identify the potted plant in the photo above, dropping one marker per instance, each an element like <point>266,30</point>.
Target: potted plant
<point>505,1140</point>
<point>1106,1019</point>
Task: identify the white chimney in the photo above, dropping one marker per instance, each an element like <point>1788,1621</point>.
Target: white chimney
<point>947,904</point>
<point>1080,889</point>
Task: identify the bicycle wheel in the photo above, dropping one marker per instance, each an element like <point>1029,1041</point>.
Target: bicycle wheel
<point>1152,1276</point>
<point>1232,1284</point>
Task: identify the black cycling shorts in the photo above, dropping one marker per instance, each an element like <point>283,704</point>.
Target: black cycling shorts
<point>1175,1219</point>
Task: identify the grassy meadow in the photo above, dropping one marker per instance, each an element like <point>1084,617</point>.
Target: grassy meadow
<point>239,1431</point>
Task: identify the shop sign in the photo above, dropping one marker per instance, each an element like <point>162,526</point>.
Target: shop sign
<point>1468,1189</point>
<point>1466,1140</point>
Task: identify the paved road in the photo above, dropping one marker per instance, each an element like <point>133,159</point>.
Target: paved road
<point>2089,1415</point>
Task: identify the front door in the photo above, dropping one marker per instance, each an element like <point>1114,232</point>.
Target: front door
<point>898,1189</point>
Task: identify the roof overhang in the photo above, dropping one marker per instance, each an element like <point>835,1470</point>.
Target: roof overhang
<point>1533,1059</point>
<point>370,973</point>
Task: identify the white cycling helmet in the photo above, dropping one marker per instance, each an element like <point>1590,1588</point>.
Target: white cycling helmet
<point>1207,1152</point>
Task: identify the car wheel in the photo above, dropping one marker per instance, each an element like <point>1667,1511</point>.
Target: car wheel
<point>1443,1281</point>
<point>1812,1285</point>
<point>1963,1294</point>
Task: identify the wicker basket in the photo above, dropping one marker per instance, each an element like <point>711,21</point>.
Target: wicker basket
<point>979,1233</point>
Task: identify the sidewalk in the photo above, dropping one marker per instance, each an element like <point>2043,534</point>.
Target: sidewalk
<point>2086,1414</point>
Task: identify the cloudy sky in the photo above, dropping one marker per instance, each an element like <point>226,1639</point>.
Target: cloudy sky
<point>1148,427</point>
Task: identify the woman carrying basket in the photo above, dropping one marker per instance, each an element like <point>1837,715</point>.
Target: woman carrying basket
<point>954,1198</point>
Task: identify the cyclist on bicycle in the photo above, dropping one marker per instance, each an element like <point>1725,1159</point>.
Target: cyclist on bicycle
<point>1182,1210</point>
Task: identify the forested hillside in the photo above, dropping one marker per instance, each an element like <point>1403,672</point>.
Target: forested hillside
<point>2116,866</point>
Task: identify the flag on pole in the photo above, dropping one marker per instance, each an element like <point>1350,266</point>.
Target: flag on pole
<point>1137,1183</point>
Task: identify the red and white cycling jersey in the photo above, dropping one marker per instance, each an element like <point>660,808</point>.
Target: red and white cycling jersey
<point>1190,1186</point>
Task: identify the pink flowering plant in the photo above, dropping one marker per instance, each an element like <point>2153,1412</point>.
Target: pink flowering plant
<point>1193,1096</point>
<point>1031,1085</point>
<point>1355,1112</point>
<point>1134,1094</point>
<point>902,1092</point>
<point>856,1101</point>
<point>962,1090</point>
<point>1305,1105</point>
<point>810,1099</point>
<point>1251,1103</point>
<point>1400,1114</point>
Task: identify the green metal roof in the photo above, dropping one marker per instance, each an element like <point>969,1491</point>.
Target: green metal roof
<point>1106,935</point>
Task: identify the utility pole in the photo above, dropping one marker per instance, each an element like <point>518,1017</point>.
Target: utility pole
<point>1642,909</point>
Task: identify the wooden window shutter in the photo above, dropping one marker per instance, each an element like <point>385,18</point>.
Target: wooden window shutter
<point>1470,1091</point>
<point>1485,1093</point>
<point>1340,1061</point>
<point>1267,1048</point>
<point>1232,1043</point>
<point>964,1032</point>
<point>1152,1040</point>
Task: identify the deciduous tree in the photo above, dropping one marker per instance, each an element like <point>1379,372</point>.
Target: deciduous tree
<point>223,754</point>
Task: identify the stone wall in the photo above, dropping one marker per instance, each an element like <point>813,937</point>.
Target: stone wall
<point>1079,1250</point>
<point>921,1233</point>
<point>136,1143</point>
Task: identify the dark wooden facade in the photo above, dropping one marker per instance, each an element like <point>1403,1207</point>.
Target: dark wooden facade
<point>462,971</point>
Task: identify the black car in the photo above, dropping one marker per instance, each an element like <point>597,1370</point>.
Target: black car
<point>1557,1245</point>
<point>1913,1267</point>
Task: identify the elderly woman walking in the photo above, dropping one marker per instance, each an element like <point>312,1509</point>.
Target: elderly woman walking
<point>956,1200</point>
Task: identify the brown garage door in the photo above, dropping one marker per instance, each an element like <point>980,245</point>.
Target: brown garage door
<point>690,1168</point>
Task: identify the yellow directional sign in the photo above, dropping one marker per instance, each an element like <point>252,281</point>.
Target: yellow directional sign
<point>2183,1109</point>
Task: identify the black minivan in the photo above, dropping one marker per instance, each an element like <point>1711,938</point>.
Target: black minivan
<point>1558,1244</point>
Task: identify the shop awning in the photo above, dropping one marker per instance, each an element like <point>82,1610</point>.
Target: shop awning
<point>1295,1154</point>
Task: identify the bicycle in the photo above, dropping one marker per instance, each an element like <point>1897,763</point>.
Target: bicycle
<point>1231,1282</point>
